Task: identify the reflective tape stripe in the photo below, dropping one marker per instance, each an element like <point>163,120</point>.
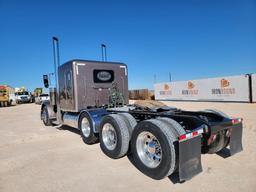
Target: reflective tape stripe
<point>191,134</point>
<point>200,131</point>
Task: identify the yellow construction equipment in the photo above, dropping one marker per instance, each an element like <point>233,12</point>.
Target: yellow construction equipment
<point>7,96</point>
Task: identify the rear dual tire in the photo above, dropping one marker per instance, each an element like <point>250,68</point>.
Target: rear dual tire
<point>153,148</point>
<point>160,134</point>
<point>221,140</point>
<point>114,136</point>
<point>130,122</point>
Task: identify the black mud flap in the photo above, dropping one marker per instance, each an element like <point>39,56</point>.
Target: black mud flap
<point>189,158</point>
<point>236,139</point>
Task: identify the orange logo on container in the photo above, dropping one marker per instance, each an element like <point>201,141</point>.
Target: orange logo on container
<point>190,85</point>
<point>224,83</point>
<point>166,87</point>
<point>190,91</point>
<point>167,90</point>
<point>225,88</point>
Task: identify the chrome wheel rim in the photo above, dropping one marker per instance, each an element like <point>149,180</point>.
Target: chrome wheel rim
<point>149,149</point>
<point>109,136</point>
<point>85,126</point>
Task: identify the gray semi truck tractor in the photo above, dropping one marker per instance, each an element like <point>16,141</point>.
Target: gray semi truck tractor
<point>92,96</point>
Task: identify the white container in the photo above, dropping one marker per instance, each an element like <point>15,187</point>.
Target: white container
<point>229,88</point>
<point>254,88</point>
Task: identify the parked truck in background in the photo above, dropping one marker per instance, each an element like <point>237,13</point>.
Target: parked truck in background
<point>42,98</point>
<point>39,96</point>
<point>37,92</point>
<point>92,96</point>
<point>22,95</point>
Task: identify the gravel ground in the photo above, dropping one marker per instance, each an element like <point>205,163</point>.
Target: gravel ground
<point>38,158</point>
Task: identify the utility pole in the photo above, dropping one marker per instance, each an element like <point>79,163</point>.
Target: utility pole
<point>170,77</point>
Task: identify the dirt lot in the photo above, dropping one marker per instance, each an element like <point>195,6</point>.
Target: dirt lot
<point>38,158</point>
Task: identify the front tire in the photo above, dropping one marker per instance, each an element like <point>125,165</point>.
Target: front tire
<point>86,128</point>
<point>45,117</point>
<point>153,148</point>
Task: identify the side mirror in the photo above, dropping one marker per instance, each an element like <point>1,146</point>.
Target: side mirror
<point>46,81</point>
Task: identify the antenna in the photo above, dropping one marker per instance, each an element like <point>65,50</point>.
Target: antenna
<point>104,52</point>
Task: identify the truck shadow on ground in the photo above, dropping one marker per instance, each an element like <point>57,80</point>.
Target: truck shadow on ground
<point>67,128</point>
<point>174,178</point>
<point>224,153</point>
<point>7,106</point>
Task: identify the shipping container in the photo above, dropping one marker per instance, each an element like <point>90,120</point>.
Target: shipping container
<point>230,88</point>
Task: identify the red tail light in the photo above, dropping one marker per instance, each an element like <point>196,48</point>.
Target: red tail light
<point>237,120</point>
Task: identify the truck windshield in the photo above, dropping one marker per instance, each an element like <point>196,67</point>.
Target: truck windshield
<point>2,89</point>
<point>2,92</point>
<point>44,95</point>
<point>22,93</point>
